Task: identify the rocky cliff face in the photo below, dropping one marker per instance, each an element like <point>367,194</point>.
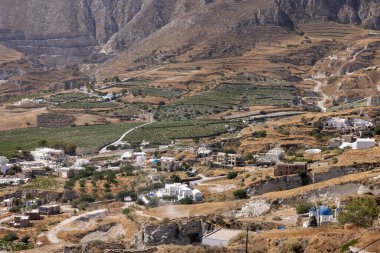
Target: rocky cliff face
<point>72,30</point>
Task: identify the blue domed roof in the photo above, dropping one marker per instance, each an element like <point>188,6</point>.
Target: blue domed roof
<point>324,210</point>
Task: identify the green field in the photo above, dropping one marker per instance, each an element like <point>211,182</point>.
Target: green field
<point>165,131</point>
<point>87,138</point>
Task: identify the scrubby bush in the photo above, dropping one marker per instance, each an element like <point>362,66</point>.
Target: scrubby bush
<point>186,201</point>
<point>232,175</point>
<point>10,236</point>
<point>361,211</point>
<point>240,194</point>
<point>303,207</point>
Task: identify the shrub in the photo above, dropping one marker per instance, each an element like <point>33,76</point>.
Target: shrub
<point>140,202</point>
<point>240,194</point>
<point>87,198</point>
<point>126,211</point>
<point>303,207</point>
<point>259,134</point>
<point>232,175</point>
<point>186,201</point>
<point>25,239</point>
<point>361,212</point>
<point>175,178</point>
<point>377,130</point>
<point>10,236</point>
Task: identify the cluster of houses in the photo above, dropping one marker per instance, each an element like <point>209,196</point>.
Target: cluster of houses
<point>357,133</point>
<point>28,101</point>
<point>34,209</point>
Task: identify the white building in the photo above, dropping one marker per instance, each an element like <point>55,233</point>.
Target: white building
<point>336,123</point>
<point>48,156</point>
<point>275,154</point>
<point>4,164</point>
<point>361,123</point>
<point>323,215</point>
<point>360,143</point>
<point>169,164</point>
<point>203,152</point>
<point>180,191</point>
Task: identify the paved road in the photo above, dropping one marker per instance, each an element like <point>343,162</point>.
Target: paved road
<point>120,140</point>
<point>52,234</point>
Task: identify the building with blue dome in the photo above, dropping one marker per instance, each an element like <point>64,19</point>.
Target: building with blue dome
<point>323,214</point>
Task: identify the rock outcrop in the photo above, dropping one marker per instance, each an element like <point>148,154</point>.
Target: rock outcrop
<point>182,233</point>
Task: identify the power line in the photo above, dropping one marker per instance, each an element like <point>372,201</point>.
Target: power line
<point>367,245</point>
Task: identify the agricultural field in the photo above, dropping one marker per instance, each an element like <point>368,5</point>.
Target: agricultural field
<point>67,97</point>
<point>88,105</point>
<point>155,92</point>
<point>232,93</point>
<point>167,131</point>
<point>88,139</point>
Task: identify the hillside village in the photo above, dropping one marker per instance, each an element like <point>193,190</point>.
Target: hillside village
<point>179,126</point>
<point>293,184</point>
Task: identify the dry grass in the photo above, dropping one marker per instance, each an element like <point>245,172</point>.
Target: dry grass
<point>182,211</point>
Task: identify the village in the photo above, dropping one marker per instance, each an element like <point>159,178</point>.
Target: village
<point>180,173</point>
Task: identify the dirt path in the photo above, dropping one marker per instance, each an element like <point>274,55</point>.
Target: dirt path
<point>52,234</point>
<point>317,89</point>
<point>120,140</point>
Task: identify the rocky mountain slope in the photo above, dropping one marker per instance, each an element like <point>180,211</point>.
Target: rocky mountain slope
<point>72,30</point>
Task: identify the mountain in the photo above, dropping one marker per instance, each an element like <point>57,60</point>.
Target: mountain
<point>78,40</point>
<point>67,32</point>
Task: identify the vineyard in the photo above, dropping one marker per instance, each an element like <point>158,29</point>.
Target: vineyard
<point>227,96</point>
<point>166,131</point>
<point>87,138</point>
<point>155,92</point>
<point>87,105</point>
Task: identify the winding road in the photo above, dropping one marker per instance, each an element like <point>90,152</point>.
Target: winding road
<point>120,140</point>
<point>52,234</point>
<point>318,89</point>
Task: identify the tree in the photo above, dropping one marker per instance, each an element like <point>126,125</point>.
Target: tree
<point>175,178</point>
<point>303,207</point>
<point>240,194</point>
<point>361,212</point>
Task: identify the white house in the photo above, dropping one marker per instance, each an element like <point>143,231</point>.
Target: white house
<point>4,164</point>
<point>203,151</point>
<point>336,123</point>
<point>109,97</point>
<point>361,123</point>
<point>180,191</point>
<point>360,143</point>
<point>169,164</point>
<point>48,155</point>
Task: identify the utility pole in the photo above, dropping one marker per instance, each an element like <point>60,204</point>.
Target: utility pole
<point>246,242</point>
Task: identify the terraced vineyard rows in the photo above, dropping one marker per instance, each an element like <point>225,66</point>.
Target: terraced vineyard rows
<point>226,96</point>
<point>160,132</point>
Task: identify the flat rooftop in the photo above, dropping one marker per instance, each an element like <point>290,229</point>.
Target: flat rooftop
<point>220,237</point>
